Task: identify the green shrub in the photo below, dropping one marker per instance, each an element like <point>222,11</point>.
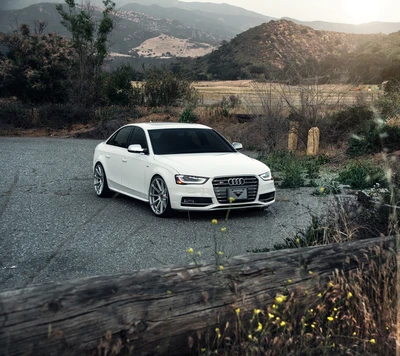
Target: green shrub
<point>188,116</point>
<point>343,123</point>
<point>327,186</point>
<point>64,115</point>
<point>16,114</point>
<point>292,175</point>
<point>312,236</point>
<point>389,105</point>
<point>278,160</point>
<point>312,170</point>
<point>374,138</point>
<point>362,175</point>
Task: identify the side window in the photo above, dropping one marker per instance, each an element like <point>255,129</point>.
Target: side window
<point>138,138</point>
<point>120,138</point>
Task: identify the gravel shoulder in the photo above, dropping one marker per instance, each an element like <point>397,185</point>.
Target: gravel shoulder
<point>53,227</point>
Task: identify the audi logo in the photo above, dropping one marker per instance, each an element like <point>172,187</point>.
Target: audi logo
<point>236,181</point>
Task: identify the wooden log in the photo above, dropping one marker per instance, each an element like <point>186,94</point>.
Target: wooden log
<point>156,310</point>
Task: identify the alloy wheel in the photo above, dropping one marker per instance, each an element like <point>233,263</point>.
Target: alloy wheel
<point>158,196</point>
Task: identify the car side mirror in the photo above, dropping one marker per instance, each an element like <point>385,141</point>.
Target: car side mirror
<point>237,146</point>
<point>136,149</point>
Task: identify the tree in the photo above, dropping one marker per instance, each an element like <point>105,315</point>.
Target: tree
<point>36,67</point>
<point>90,40</point>
<point>163,88</point>
<point>118,86</point>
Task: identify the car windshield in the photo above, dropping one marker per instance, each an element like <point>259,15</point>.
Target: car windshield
<point>182,140</point>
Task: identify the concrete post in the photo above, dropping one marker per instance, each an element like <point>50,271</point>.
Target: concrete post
<point>293,136</point>
<point>313,141</point>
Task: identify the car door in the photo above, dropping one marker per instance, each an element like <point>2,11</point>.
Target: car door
<point>117,147</point>
<point>135,166</point>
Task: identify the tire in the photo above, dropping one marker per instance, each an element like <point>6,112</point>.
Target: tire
<point>100,181</point>
<point>159,198</point>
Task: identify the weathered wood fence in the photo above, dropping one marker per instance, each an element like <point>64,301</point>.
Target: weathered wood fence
<point>157,310</point>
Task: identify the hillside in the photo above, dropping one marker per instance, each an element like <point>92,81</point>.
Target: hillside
<point>282,48</point>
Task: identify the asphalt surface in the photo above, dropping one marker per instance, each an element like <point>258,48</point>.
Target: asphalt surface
<point>53,227</point>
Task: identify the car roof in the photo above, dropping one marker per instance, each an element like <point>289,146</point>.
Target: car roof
<point>168,125</point>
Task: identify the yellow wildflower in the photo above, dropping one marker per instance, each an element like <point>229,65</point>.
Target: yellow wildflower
<point>330,284</point>
<point>372,341</point>
<point>282,323</point>
<point>330,318</point>
<point>237,311</point>
<point>310,272</point>
<point>221,267</point>
<point>190,250</point>
<point>274,306</point>
<point>198,253</point>
<point>298,240</point>
<point>223,229</point>
<point>259,327</point>
<point>313,326</point>
<point>250,336</point>
<point>280,298</point>
<point>321,190</point>
<point>271,315</point>
<point>214,221</point>
<point>220,253</point>
<point>289,281</point>
<point>335,309</point>
<point>218,332</point>
<point>349,295</point>
<point>169,292</point>
<point>257,311</point>
<point>319,295</point>
<point>354,333</point>
<point>231,200</point>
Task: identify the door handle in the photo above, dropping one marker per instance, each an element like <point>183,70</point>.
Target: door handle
<point>108,156</point>
<point>124,160</point>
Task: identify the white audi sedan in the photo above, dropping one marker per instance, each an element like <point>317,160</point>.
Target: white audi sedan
<point>176,166</point>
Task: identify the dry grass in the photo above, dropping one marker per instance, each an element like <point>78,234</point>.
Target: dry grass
<point>250,92</point>
<point>354,314</point>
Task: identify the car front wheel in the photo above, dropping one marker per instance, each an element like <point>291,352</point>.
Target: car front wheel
<point>100,181</point>
<point>159,197</point>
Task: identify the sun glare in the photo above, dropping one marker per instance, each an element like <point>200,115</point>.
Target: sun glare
<point>361,11</point>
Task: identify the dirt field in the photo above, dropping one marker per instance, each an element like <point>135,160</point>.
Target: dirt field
<point>253,93</point>
<point>166,47</point>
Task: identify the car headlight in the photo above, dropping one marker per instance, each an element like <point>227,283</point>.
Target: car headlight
<point>183,179</point>
<point>266,176</point>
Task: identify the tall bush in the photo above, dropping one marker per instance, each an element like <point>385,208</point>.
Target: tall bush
<point>164,88</point>
<point>36,67</point>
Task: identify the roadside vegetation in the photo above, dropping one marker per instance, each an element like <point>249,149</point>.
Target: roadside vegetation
<point>49,82</point>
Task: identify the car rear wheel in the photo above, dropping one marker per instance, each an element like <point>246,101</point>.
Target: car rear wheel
<point>159,197</point>
<point>100,181</point>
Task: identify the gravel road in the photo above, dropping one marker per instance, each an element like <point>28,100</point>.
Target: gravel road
<point>53,227</point>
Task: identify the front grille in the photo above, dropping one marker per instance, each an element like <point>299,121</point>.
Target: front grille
<point>221,187</point>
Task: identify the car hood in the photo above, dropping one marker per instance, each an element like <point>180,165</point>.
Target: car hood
<point>213,164</point>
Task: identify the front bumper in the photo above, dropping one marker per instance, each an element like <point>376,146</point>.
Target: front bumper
<point>217,193</point>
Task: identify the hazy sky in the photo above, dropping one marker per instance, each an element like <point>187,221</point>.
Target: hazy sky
<point>345,11</point>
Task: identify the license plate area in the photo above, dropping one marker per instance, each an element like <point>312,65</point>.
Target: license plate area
<point>237,193</point>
